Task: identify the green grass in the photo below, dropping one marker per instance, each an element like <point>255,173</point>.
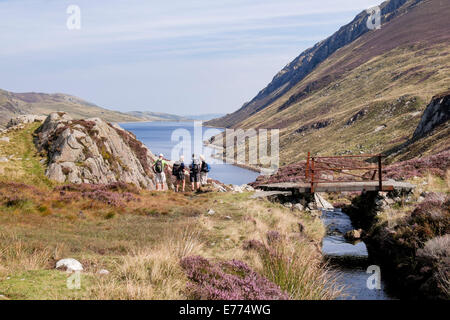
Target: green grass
<point>43,285</point>
<point>25,166</point>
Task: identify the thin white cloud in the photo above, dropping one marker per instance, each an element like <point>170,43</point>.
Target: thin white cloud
<point>203,55</point>
<point>38,25</point>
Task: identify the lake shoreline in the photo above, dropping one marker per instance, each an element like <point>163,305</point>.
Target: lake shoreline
<point>157,136</point>
<point>231,161</point>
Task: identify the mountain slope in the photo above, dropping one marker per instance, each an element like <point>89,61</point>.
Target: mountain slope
<point>367,96</point>
<point>13,104</point>
<point>301,66</point>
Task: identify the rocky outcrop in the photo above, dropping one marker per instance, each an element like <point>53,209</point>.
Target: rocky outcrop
<point>314,126</point>
<point>24,119</point>
<point>93,151</point>
<point>436,113</point>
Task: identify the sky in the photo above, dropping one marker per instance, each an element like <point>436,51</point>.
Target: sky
<point>174,56</point>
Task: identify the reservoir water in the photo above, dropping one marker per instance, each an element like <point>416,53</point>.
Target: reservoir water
<point>175,138</point>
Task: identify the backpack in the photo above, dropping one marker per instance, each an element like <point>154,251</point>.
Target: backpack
<point>196,166</point>
<point>206,167</point>
<point>176,169</point>
<point>158,166</point>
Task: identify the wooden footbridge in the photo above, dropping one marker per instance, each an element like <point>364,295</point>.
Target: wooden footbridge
<point>340,174</point>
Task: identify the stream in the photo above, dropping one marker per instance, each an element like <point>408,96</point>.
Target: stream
<point>350,260</point>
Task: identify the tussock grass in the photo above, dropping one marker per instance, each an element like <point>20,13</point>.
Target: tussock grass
<point>145,274</point>
<point>294,267</point>
<point>17,255</point>
<point>152,273</point>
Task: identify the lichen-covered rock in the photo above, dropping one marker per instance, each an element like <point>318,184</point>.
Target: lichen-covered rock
<point>436,113</point>
<point>93,151</point>
<point>24,119</point>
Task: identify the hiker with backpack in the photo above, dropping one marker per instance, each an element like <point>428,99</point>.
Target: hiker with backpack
<point>160,176</point>
<point>178,171</point>
<point>195,169</point>
<point>205,168</point>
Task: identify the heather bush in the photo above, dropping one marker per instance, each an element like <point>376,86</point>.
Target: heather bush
<point>429,219</point>
<point>273,237</point>
<point>69,197</point>
<point>111,198</point>
<point>86,187</point>
<point>434,264</point>
<point>123,187</point>
<point>16,201</point>
<point>15,187</point>
<point>114,194</point>
<point>436,164</point>
<point>253,245</point>
<point>229,280</point>
<point>415,249</point>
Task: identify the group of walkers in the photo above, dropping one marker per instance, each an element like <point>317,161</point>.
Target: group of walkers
<point>198,173</point>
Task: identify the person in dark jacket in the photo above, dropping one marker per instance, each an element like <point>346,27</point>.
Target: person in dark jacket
<point>195,169</point>
<point>180,174</point>
<point>204,171</point>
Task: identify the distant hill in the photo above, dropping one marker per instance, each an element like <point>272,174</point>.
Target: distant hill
<point>156,116</point>
<point>14,104</point>
<point>360,90</point>
<point>206,116</point>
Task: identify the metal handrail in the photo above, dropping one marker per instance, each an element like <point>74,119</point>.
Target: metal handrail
<point>311,169</point>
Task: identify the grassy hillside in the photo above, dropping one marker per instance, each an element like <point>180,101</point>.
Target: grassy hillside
<point>148,241</point>
<point>13,104</point>
<point>308,60</point>
<point>369,95</point>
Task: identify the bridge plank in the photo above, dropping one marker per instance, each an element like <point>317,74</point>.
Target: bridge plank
<point>338,186</point>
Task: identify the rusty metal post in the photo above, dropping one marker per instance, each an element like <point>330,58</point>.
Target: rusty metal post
<point>307,167</point>
<point>380,174</point>
<point>312,175</point>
